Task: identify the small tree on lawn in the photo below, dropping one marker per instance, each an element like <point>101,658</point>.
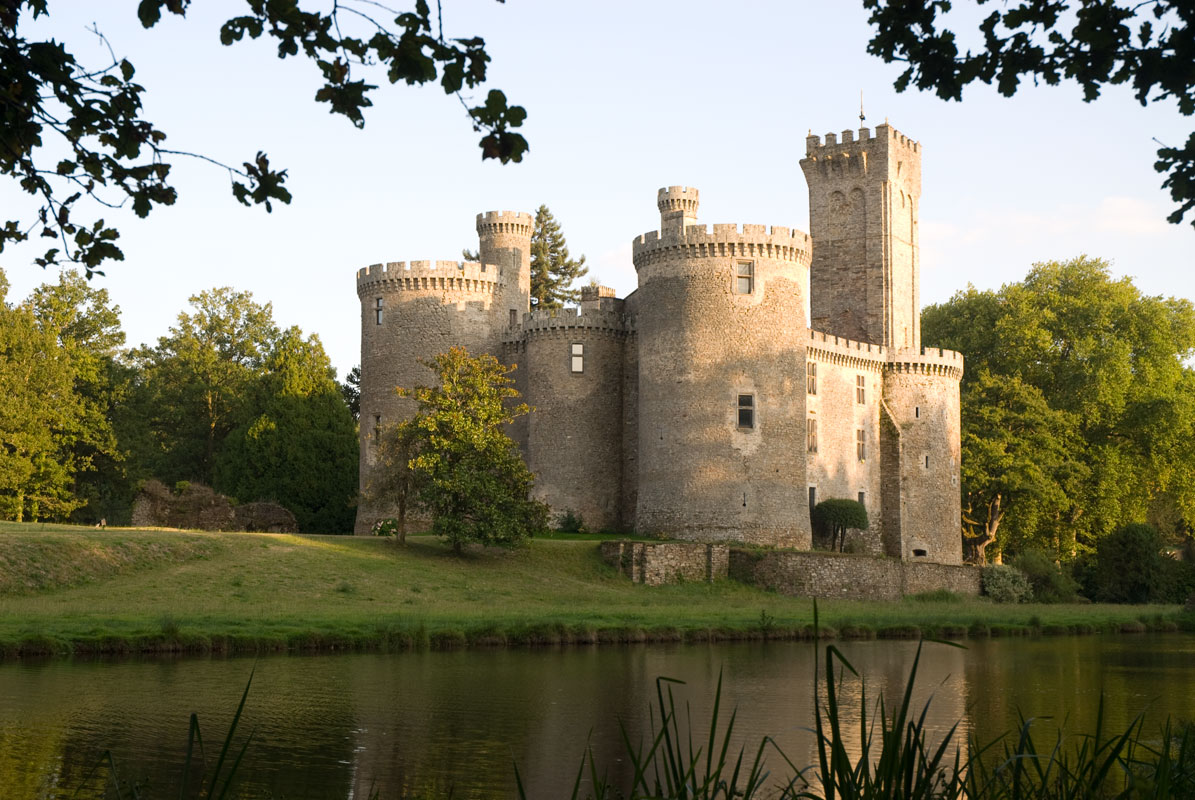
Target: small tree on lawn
<point>836,516</point>
<point>465,471</point>
<point>392,481</point>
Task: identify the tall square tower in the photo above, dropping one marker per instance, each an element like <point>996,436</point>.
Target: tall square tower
<point>863,205</point>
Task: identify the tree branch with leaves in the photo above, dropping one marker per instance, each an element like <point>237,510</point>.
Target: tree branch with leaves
<point>106,152</point>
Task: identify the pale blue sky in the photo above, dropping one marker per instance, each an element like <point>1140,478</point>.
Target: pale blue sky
<point>623,98</point>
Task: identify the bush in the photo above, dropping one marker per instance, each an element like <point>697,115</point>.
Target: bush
<point>1178,581</point>
<point>1006,584</point>
<point>571,523</point>
<point>1050,584</point>
<point>385,527</point>
<point>836,516</point>
<point>1129,566</point>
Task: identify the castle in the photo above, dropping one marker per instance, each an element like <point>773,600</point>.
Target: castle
<point>704,405</point>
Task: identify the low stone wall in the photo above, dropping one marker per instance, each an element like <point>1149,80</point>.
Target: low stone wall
<point>658,563</point>
<point>848,577</point>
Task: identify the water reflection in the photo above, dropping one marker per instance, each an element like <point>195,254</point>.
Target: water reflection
<point>424,724</point>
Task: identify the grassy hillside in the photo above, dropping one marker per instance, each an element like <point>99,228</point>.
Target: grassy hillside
<point>65,589</point>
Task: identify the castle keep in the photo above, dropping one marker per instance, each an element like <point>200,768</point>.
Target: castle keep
<point>705,405</point>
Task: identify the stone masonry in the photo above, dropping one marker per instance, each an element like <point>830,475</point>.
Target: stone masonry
<point>706,406</point>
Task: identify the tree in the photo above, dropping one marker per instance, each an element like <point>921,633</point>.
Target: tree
<point>38,418</point>
<point>553,271</point>
<point>1018,454</point>
<point>837,516</point>
<point>192,389</point>
<point>350,390</point>
<point>297,444</point>
<point>1147,44</point>
<point>1110,366</point>
<point>86,327</point>
<point>392,480</point>
<point>72,131</point>
<point>467,473</point>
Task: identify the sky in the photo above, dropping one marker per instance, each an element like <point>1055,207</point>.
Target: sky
<point>623,97</point>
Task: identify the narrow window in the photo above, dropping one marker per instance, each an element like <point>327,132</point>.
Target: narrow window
<point>927,462</point>
<point>860,445</point>
<point>917,411</point>
<point>811,435</point>
<point>862,498</point>
<point>377,428</point>
<point>746,411</point>
<point>860,388</point>
<point>514,317</point>
<point>578,357</point>
<point>919,553</point>
<point>377,311</point>
<point>811,377</point>
<point>744,277</point>
<point>812,497</point>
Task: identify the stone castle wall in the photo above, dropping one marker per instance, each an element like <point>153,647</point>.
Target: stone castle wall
<point>659,563</point>
<point>573,446</point>
<point>863,197</point>
<point>848,577</point>
<point>836,469</point>
<point>703,344</point>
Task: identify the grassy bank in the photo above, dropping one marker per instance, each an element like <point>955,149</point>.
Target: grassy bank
<point>79,590</point>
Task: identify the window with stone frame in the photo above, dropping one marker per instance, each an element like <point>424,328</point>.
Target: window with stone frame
<point>860,445</point>
<point>860,388</point>
<point>377,310</point>
<point>744,277</point>
<point>577,355</point>
<point>811,435</point>
<point>746,411</point>
<point>811,377</point>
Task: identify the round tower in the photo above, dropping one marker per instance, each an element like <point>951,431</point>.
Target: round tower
<point>574,363</point>
<point>921,456</point>
<point>721,330</point>
<point>505,240</point>
<point>412,312</point>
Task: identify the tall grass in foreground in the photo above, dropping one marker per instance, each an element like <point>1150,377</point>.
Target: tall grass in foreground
<point>896,759</point>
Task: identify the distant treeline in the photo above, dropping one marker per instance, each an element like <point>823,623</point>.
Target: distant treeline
<point>225,398</point>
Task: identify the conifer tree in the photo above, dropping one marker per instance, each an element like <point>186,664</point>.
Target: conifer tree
<point>553,272</point>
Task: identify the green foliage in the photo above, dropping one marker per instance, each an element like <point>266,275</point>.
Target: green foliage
<point>571,523</point>
<point>1129,565</point>
<point>195,386</point>
<point>1050,582</point>
<point>837,515</point>
<point>467,472</point>
<point>1004,584</point>
<point>59,382</point>
<point>1178,581</point>
<point>1078,405</point>
<point>350,390</point>
<point>297,445</point>
<point>56,105</point>
<point>1095,43</point>
<point>553,271</point>
<point>385,527</point>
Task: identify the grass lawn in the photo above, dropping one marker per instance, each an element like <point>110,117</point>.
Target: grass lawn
<point>65,589</point>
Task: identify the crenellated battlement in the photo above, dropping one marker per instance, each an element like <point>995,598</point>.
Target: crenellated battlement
<point>556,319</point>
<point>927,361</point>
<point>884,134</point>
<point>839,350</point>
<point>497,222</point>
<point>725,240</point>
<point>467,276</point>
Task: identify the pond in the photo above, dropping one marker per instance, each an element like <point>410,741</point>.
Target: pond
<point>427,724</point>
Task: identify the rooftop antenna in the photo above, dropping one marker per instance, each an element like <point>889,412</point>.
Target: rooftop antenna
<point>861,117</point>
